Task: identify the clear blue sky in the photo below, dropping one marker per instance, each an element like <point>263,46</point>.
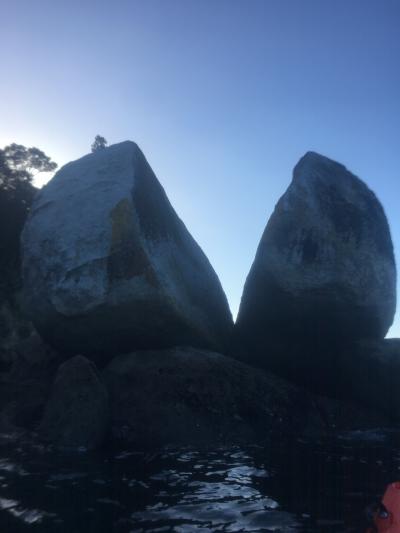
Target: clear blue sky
<point>223,97</point>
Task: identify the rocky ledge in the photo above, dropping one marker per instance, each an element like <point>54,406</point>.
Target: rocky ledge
<point>181,396</point>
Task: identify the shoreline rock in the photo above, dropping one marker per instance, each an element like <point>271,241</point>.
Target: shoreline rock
<point>77,411</point>
<point>156,398</point>
<point>369,376</point>
<point>190,396</point>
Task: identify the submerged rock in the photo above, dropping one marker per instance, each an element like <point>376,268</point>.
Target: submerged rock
<point>77,412</point>
<point>190,396</point>
<point>109,267</point>
<point>323,276</point>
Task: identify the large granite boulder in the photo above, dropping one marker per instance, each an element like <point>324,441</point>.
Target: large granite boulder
<point>109,267</point>
<point>196,397</point>
<point>77,411</point>
<point>324,275</point>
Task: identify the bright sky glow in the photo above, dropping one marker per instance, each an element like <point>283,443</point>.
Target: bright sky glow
<point>222,96</point>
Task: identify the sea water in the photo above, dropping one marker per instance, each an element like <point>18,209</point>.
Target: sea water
<point>297,485</point>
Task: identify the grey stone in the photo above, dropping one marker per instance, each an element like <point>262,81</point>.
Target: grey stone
<point>77,412</point>
<point>370,375</point>
<point>25,386</point>
<point>197,397</point>
<point>324,275</point>
<point>109,267</point>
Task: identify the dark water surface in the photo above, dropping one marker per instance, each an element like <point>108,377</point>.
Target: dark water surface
<point>298,486</point>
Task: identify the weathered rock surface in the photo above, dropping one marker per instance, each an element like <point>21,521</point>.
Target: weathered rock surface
<point>14,328</point>
<point>176,396</point>
<point>26,385</point>
<point>109,267</point>
<point>370,375</point>
<point>324,275</point>
<point>190,396</point>
<point>77,412</point>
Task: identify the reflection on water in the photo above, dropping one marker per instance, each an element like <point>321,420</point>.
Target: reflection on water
<point>214,492</point>
<point>297,486</point>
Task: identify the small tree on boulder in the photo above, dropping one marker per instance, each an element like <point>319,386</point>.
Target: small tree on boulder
<point>99,143</point>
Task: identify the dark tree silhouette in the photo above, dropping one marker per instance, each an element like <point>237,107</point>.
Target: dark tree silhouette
<point>99,143</point>
<point>18,165</point>
<point>27,161</point>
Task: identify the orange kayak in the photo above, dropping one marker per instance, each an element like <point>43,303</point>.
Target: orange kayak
<point>386,517</point>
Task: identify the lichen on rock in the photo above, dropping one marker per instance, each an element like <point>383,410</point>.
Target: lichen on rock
<point>324,275</point>
<point>109,267</point>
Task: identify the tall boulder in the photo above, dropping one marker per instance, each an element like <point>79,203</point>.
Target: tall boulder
<point>109,267</point>
<point>323,276</point>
